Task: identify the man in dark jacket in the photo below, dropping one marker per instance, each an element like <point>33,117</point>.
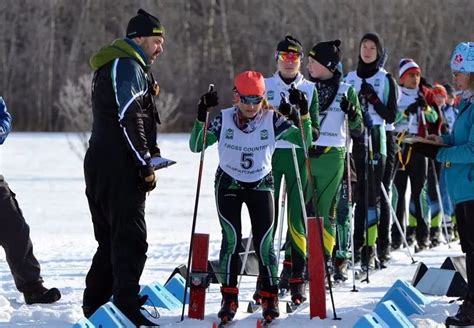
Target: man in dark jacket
<point>117,166</point>
<point>15,237</point>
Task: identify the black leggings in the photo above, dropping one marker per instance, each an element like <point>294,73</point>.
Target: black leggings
<point>465,220</point>
<point>260,207</point>
<point>416,170</point>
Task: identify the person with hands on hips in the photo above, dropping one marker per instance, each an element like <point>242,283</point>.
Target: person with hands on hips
<point>457,158</point>
<point>247,134</point>
<point>117,165</point>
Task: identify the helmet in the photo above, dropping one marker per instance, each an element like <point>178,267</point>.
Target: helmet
<point>462,59</point>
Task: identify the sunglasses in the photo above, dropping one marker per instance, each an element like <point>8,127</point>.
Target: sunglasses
<point>251,100</point>
<point>289,56</point>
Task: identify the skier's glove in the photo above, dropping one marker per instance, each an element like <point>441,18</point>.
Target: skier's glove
<point>207,100</point>
<point>348,108</point>
<point>298,97</point>
<point>426,150</point>
<point>422,102</point>
<point>147,179</point>
<point>284,108</point>
<point>368,92</point>
<point>412,108</point>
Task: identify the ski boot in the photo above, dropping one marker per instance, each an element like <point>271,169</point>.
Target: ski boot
<point>422,244</point>
<point>284,283</point>
<point>229,303</point>
<point>435,236</point>
<point>270,308</point>
<point>256,295</point>
<point>340,270</point>
<point>464,317</point>
<point>297,288</point>
<point>383,253</point>
<point>367,260</point>
<point>395,244</point>
<point>37,293</point>
<point>410,234</point>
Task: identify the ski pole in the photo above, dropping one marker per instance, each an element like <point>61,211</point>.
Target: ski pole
<point>313,192</point>
<point>281,220</point>
<point>438,192</point>
<point>349,198</point>
<point>196,204</point>
<point>246,255</point>
<point>397,223</point>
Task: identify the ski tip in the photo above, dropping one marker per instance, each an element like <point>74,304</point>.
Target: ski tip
<point>259,323</point>
<point>214,324</point>
<point>289,309</point>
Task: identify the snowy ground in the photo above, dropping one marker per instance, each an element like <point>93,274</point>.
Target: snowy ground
<point>48,180</point>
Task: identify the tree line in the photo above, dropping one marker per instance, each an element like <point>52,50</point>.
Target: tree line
<point>45,46</point>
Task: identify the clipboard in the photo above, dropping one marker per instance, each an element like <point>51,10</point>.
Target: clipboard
<point>161,163</point>
<point>417,139</point>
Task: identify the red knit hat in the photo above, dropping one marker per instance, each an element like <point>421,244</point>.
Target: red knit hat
<point>438,89</point>
<point>250,83</point>
<point>408,65</point>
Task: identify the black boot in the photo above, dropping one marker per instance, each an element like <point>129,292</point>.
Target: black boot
<point>340,270</point>
<point>367,257</point>
<point>270,308</point>
<point>284,283</point>
<point>464,317</point>
<point>435,233</point>
<point>41,295</point>
<point>383,253</point>
<point>410,235</point>
<point>298,292</point>
<point>229,304</point>
<point>135,315</point>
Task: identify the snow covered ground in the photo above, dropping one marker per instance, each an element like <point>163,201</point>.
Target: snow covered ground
<point>48,180</point>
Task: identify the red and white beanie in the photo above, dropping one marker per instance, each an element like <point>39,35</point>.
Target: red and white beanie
<point>408,65</point>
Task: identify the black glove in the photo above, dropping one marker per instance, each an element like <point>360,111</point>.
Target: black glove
<point>207,100</point>
<point>422,102</point>
<point>147,180</point>
<point>348,108</point>
<point>368,92</point>
<point>284,108</point>
<point>298,97</point>
<point>426,150</point>
<point>412,108</point>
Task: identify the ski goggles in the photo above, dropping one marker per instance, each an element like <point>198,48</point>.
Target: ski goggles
<point>251,100</point>
<point>288,56</point>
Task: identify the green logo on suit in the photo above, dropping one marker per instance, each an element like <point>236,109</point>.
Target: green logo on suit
<point>264,134</point>
<point>229,134</point>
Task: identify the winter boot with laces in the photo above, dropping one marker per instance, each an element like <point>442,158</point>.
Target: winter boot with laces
<point>297,288</point>
<point>229,303</point>
<point>270,308</point>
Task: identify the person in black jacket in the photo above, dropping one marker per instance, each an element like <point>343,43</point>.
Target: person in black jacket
<point>117,166</point>
<point>15,237</point>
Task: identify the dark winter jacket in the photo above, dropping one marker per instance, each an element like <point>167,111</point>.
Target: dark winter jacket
<point>125,116</point>
<point>5,121</point>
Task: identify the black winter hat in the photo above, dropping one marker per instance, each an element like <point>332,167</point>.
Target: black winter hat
<point>327,54</point>
<point>375,38</point>
<point>144,24</point>
<point>290,44</point>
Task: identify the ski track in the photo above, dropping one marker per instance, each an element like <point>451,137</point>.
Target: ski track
<point>50,189</point>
